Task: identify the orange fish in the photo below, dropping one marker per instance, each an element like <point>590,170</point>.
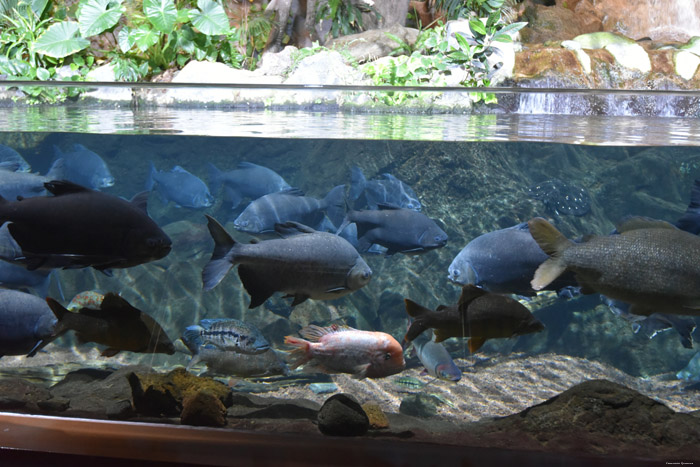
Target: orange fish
<point>342,349</point>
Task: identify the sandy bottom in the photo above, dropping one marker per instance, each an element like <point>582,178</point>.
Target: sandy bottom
<point>491,386</point>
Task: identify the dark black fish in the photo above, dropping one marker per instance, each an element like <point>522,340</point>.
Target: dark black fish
<point>79,227</point>
<point>478,314</point>
<point>561,198</point>
<point>397,229</point>
<point>117,324</point>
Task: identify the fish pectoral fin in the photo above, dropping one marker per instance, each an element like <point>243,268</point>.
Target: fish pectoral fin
<point>256,284</point>
<point>299,298</point>
<point>360,371</point>
<point>641,310</point>
<point>336,290</point>
<point>39,345</point>
<point>64,187</point>
<point>547,272</point>
<point>195,359</point>
<point>110,352</point>
<point>475,343</point>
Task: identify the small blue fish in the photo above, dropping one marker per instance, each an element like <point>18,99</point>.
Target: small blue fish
<point>388,190</point>
<point>179,186</point>
<point>435,358</point>
<point>15,184</point>
<point>691,372</point>
<point>655,323</point>
<point>84,167</point>
<point>10,156</point>
<point>561,198</point>
<point>261,215</point>
<point>397,229</point>
<point>228,334</point>
<point>247,181</point>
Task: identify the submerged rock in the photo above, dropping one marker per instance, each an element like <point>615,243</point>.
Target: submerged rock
<point>203,409</point>
<point>157,394</point>
<point>342,415</point>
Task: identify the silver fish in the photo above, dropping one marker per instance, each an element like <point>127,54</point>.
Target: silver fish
<point>304,264</point>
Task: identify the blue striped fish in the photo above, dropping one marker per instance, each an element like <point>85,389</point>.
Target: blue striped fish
<point>229,334</point>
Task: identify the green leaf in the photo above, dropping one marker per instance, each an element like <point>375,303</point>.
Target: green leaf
<point>162,14</point>
<point>60,40</point>
<point>42,74</point>
<point>502,38</point>
<point>477,27</point>
<point>125,39</point>
<point>210,19</point>
<point>144,37</point>
<point>513,27</point>
<point>96,16</point>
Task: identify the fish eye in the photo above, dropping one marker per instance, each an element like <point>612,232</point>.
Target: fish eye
<point>456,273</point>
<point>387,356</point>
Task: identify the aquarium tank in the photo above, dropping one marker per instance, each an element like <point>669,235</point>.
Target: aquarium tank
<point>461,252</point>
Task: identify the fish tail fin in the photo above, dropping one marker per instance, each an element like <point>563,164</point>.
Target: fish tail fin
<point>193,361</point>
<point>301,353</point>
<point>553,243</point>
<point>475,343</point>
<point>214,177</point>
<point>150,181</point>
<point>222,258</point>
<point>357,183</point>
<point>62,324</point>
<point>335,204</point>
<point>417,326</point>
<point>415,310</point>
<point>57,170</point>
<point>192,338</point>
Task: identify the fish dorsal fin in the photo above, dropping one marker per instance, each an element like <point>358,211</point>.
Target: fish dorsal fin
<point>440,307</point>
<point>178,169</point>
<point>113,303</point>
<point>548,237</point>
<point>387,207</point>
<point>292,191</point>
<point>639,222</point>
<point>140,200</point>
<point>521,226</point>
<point>64,187</point>
<point>289,228</point>
<point>247,165</point>
<point>414,310</point>
<point>314,333</point>
<point>388,176</point>
<point>9,166</point>
<point>469,293</point>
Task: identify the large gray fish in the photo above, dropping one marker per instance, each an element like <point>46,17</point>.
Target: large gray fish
<point>79,227</point>
<point>478,314</point>
<point>84,167</point>
<point>230,363</point>
<point>435,358</point>
<point>691,372</point>
<point>14,185</point>
<point>503,261</point>
<point>387,190</point>
<point>397,229</point>
<point>9,155</point>
<point>26,323</point>
<point>262,214</point>
<point>307,264</point>
<point>229,334</point>
<point>651,265</point>
<point>180,187</point>
<point>116,324</point>
<point>247,181</point>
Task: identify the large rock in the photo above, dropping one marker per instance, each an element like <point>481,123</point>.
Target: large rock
<point>342,415</point>
<point>597,417</point>
<point>556,23</point>
<point>627,53</point>
<point>375,43</point>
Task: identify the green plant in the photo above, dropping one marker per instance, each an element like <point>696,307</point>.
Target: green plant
<point>455,9</point>
<point>345,15</point>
